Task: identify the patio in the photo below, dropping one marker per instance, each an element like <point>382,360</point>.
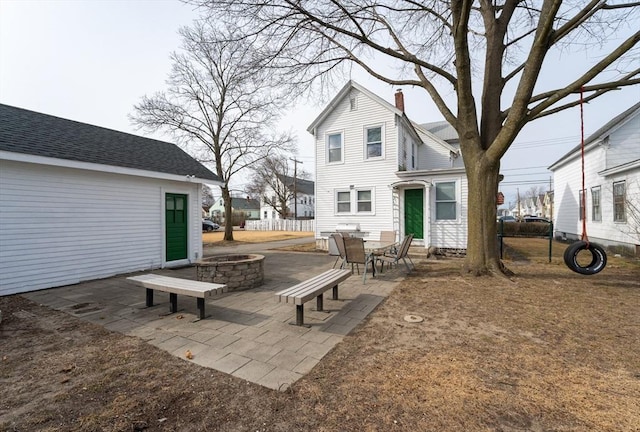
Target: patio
<point>248,334</point>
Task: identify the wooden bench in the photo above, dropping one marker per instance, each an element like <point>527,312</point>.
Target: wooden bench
<point>175,286</point>
<point>304,291</point>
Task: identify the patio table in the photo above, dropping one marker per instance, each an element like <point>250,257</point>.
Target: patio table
<point>377,247</point>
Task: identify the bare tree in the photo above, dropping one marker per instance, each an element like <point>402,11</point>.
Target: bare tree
<point>207,196</point>
<point>445,47</point>
<point>268,181</point>
<point>221,104</point>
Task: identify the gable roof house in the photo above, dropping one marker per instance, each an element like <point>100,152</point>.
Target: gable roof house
<point>242,208</point>
<point>115,203</point>
<point>304,190</point>
<point>376,170</point>
<point>612,185</point>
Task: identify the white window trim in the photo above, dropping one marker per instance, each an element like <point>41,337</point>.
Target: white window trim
<point>326,147</point>
<point>373,200</point>
<point>353,201</point>
<point>458,186</point>
<point>335,202</point>
<point>382,141</point>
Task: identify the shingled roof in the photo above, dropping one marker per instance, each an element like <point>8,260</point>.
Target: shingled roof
<point>32,133</point>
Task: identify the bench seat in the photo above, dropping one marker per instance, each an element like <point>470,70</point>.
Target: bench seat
<point>315,287</point>
<point>175,286</point>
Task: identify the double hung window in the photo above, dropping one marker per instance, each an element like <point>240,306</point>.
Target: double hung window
<point>619,202</point>
<point>334,147</point>
<point>373,137</point>
<point>446,201</point>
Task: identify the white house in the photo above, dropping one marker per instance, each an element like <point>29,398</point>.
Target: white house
<point>115,203</point>
<point>242,208</point>
<point>379,170</point>
<point>612,185</point>
<point>304,189</point>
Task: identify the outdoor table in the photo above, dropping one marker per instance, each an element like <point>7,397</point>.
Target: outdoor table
<point>376,247</point>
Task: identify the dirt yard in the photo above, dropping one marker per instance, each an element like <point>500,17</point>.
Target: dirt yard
<point>545,350</point>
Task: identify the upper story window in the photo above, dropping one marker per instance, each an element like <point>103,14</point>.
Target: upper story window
<point>373,137</point>
<point>446,201</point>
<point>413,155</point>
<point>334,147</point>
<point>619,202</point>
<point>596,210</point>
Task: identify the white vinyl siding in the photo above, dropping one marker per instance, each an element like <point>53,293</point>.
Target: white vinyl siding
<point>61,226</point>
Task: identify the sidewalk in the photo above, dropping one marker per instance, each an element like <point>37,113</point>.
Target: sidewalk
<point>248,334</point>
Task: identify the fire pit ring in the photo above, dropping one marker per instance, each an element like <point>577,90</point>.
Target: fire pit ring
<point>236,271</point>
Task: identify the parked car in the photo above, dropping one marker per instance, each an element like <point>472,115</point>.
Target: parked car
<point>535,219</point>
<point>507,219</point>
<point>209,226</point>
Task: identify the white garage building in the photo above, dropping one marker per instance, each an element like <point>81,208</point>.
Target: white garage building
<point>81,202</point>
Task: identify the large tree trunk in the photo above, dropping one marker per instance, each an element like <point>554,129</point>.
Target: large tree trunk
<point>228,214</point>
<point>483,256</point>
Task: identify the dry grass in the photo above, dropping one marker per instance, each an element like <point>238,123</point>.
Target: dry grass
<point>547,350</point>
<point>242,236</point>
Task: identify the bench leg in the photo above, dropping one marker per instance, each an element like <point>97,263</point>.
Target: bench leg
<point>319,301</point>
<point>173,302</point>
<point>335,292</point>
<point>149,302</point>
<point>200,302</point>
<point>299,315</point>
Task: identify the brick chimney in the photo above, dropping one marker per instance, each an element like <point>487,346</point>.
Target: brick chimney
<point>399,100</point>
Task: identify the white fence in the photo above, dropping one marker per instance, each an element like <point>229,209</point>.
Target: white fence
<point>280,225</point>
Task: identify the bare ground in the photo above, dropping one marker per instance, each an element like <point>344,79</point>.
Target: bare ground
<point>545,350</point>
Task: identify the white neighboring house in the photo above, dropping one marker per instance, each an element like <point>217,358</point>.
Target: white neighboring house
<point>379,170</point>
<point>612,183</point>
<point>306,199</point>
<point>115,203</point>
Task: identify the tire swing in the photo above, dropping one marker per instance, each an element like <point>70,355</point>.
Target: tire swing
<point>598,255</point>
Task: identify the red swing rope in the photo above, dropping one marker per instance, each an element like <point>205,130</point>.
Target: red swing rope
<point>583,191</point>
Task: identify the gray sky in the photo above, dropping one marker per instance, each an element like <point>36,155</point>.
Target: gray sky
<point>91,61</point>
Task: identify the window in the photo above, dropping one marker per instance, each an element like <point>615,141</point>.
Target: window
<point>446,201</point>
<point>596,211</point>
<point>619,202</point>
<point>581,196</point>
<point>373,136</point>
<point>343,202</point>
<point>334,148</point>
<point>266,215</point>
<point>364,201</point>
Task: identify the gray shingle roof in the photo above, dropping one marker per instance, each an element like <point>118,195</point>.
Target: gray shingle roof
<point>306,187</point>
<point>29,132</point>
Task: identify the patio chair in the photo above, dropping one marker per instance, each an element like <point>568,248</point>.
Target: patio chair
<point>355,254</point>
<point>389,236</point>
<point>336,248</point>
<point>401,254</point>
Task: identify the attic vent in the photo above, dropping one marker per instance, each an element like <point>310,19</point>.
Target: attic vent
<point>353,103</point>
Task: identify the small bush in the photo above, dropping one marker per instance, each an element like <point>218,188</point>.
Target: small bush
<point>525,229</point>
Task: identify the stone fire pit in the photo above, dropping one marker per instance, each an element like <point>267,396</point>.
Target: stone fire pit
<point>238,272</point>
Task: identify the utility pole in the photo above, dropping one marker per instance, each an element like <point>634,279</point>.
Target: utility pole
<point>518,191</point>
<point>295,187</point>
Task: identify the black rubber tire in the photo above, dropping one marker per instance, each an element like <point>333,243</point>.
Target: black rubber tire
<point>598,262</point>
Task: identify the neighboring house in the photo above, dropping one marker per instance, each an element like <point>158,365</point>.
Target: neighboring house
<point>378,169</point>
<point>612,185</point>
<point>547,205</point>
<point>305,190</point>
<point>115,203</point>
<point>242,208</point>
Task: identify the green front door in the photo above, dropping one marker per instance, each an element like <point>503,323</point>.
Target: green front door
<point>414,213</point>
<point>176,226</point>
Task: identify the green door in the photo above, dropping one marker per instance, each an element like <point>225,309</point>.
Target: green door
<point>176,226</point>
<point>414,213</point>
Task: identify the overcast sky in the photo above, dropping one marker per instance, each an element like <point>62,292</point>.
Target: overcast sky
<point>91,61</point>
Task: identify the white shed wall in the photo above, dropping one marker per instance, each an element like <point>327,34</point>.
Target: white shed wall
<point>60,226</point>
